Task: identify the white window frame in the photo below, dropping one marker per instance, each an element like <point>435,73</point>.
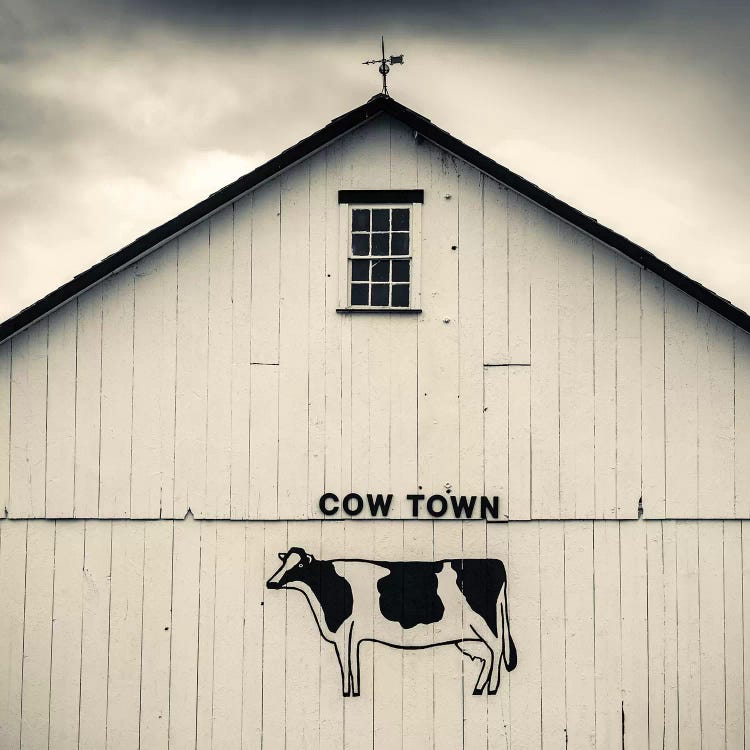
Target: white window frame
<point>414,257</point>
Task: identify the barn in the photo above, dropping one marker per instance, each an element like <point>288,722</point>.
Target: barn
<point>379,446</point>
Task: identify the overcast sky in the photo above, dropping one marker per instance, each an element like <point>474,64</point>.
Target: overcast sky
<point>115,116</point>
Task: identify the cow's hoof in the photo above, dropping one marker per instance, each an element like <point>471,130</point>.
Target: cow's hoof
<point>492,692</point>
<point>477,691</point>
<point>355,695</point>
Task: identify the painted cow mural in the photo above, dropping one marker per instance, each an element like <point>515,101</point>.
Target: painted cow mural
<point>409,605</point>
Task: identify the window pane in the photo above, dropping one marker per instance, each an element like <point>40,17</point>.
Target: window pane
<point>400,243</point>
<point>400,270</point>
<point>360,244</point>
<point>361,220</point>
<point>359,294</point>
<point>380,294</point>
<point>400,219</point>
<point>380,270</point>
<point>380,244</point>
<point>400,295</point>
<point>360,270</point>
<point>380,220</point>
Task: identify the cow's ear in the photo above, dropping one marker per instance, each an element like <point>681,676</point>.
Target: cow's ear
<point>282,556</point>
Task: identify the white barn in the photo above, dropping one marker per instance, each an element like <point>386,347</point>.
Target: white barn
<point>379,310</point>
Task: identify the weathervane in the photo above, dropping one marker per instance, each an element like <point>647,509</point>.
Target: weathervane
<point>385,64</point>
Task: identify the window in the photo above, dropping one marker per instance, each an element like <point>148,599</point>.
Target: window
<point>382,241</point>
<point>380,257</point>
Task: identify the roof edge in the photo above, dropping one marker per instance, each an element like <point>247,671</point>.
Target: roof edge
<point>378,104</point>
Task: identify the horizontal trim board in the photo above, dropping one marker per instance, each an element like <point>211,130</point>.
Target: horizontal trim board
<point>381,196</point>
<point>397,310</point>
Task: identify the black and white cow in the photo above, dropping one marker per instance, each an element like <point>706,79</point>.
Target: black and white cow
<point>405,605</point>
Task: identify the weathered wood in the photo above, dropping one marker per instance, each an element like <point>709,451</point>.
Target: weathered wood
<point>220,357</point>
<point>61,404</point>
<point>742,423</point>
<point>13,559</point>
<point>733,636</point>
<point>656,635</point>
<point>65,665</point>
<point>495,439</point>
<point>5,362</point>
<point>118,299</point>
<point>671,638</point>
<point>495,267</point>
<point>28,414</point>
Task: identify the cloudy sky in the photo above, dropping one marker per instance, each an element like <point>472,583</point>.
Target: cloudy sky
<point>115,116</point>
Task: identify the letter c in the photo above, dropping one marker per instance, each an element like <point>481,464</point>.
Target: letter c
<point>324,509</point>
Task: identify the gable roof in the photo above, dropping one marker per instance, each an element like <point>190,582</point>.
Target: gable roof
<point>379,104</point>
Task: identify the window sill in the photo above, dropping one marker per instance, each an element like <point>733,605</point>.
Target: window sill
<point>397,310</point>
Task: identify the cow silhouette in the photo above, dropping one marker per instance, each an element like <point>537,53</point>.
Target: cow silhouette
<point>410,605</point>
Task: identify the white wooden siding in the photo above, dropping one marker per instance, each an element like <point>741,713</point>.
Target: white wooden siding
<point>215,374</point>
<point>164,630</point>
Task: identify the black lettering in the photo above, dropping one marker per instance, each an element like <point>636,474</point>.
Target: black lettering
<point>462,505</point>
<point>359,503</point>
<point>379,504</point>
<point>324,509</point>
<point>435,499</point>
<point>492,507</point>
<point>415,504</point>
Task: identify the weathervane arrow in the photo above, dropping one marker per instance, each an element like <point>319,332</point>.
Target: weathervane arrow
<point>385,64</point>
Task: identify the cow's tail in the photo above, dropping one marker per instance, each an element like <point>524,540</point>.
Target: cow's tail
<point>509,648</point>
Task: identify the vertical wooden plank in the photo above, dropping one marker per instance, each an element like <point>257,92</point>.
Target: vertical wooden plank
<point>524,607</point>
<point>652,383</point>
<point>12,594</point>
<point>252,636</point>
<point>742,423</point>
<point>275,635</point>
<point>476,707</point>
<point>294,315</point>
<point>316,427</point>
<point>496,423</point>
<point>334,322</point>
<point>438,333</point>
<point>265,274</point>
<point>499,730</point>
<point>155,331</point>
<point>576,295</point>
<point>157,633</point>
<point>117,394</point>
<point>671,639</point>
<point>5,357</point>
<point>545,354</point>
<point>746,621</point>
<point>388,674</point>
<point>656,635</point>
<point>681,396</point>
<point>688,640</point>
<point>605,381</point>
<point>733,643</point>
<point>206,630</point>
<point>264,440</point>
<point>95,634</point>
<point>552,626</point>
<point>628,388</point>
<point>241,328</point>
<point>580,678</point>
<point>28,414</point>
<point>192,372</point>
<point>88,403</point>
<point>634,633</point>
<point>607,653</point>
<point>495,273</point>
<point>303,653</point>
<point>61,405</point>
<point>419,690</point>
<point>519,443</point>
<point>711,632</point>
<point>184,643</point>
<point>470,331</point>
<point>716,416</point>
<point>37,635</point>
<point>220,357</point>
<point>65,671</point>
<point>521,213</point>
<point>331,702</point>
<point>228,635</point>
<point>125,620</point>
